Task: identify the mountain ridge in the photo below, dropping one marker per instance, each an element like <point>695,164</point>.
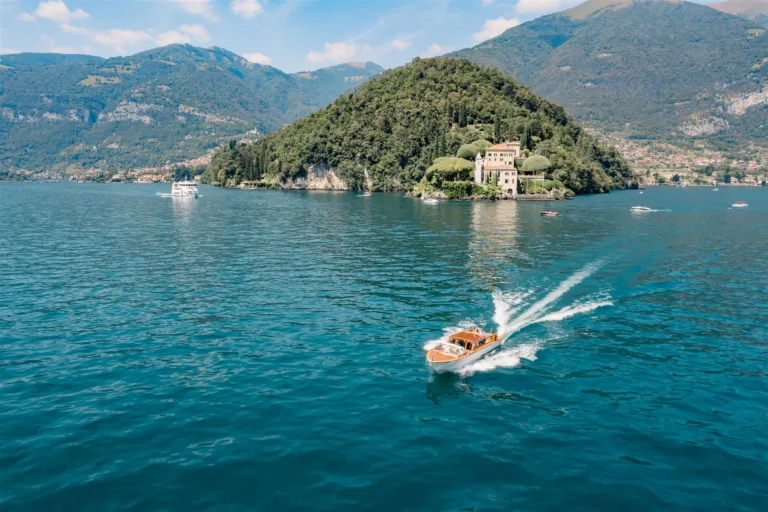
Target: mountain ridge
<point>656,70</point>
<point>62,111</point>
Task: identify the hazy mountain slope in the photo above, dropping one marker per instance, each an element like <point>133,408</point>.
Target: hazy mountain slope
<point>164,105</point>
<point>756,10</point>
<point>655,69</point>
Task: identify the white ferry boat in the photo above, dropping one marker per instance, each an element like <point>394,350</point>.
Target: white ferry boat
<point>184,189</point>
<point>739,204</point>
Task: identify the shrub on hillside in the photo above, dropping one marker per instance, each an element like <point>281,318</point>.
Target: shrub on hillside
<point>537,164</point>
<point>467,152</point>
<point>457,189</point>
<point>449,167</point>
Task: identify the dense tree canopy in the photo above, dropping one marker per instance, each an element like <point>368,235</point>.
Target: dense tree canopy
<point>392,129</point>
<point>537,164</point>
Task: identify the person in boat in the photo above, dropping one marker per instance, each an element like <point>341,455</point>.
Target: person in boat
<point>480,331</point>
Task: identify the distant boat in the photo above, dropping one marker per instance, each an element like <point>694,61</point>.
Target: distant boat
<point>641,191</point>
<point>715,189</point>
<point>430,201</point>
<point>184,189</point>
<point>548,213</point>
<point>640,209</point>
<point>739,204</point>
<point>367,194</point>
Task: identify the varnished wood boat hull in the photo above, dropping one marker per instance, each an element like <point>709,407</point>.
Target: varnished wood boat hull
<point>456,365</point>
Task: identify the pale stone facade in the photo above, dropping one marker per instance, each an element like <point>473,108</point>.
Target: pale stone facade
<point>499,166</point>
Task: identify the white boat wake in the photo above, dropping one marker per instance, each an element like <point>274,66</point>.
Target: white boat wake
<point>507,305</point>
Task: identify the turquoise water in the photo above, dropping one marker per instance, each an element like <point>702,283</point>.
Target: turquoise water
<point>265,351</point>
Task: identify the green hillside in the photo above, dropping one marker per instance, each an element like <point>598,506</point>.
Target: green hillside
<point>652,69</point>
<point>165,105</point>
<point>388,133</point>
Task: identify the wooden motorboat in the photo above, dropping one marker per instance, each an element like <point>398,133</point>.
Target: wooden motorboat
<point>462,349</point>
<point>548,213</point>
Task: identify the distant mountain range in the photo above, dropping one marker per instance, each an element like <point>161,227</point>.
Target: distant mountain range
<point>646,69</point>
<point>755,10</point>
<point>165,105</point>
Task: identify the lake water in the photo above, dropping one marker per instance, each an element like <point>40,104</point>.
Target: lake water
<point>257,350</point>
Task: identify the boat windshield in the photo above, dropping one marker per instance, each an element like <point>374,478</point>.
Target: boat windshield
<point>449,349</point>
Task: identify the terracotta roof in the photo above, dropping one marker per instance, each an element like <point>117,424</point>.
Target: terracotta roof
<point>504,146</point>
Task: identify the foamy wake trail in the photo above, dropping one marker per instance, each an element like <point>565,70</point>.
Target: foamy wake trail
<point>508,327</point>
<point>576,309</point>
<point>506,358</point>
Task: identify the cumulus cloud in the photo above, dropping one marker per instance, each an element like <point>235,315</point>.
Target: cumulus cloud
<point>196,31</point>
<point>399,44</point>
<point>543,6</point>
<point>184,34</point>
<point>247,8</point>
<point>72,29</point>
<point>172,37</point>
<point>334,52</point>
<point>57,10</point>
<point>435,50</point>
<point>119,39</point>
<point>25,16</point>
<point>493,28</point>
<point>204,8</point>
<point>258,58</point>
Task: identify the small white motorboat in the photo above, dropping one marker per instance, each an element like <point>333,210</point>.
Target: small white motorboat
<point>715,189</point>
<point>640,209</point>
<point>461,349</point>
<point>739,204</point>
<point>430,201</point>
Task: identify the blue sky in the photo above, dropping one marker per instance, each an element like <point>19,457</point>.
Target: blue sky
<point>291,35</point>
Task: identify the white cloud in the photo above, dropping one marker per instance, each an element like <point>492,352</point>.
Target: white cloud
<point>183,34</point>
<point>196,31</point>
<point>172,37</point>
<point>543,6</point>
<point>204,8</point>
<point>57,10</point>
<point>486,3</point>
<point>435,50</point>
<point>25,16</point>
<point>334,52</point>
<point>8,51</point>
<point>258,58</point>
<point>119,39</point>
<point>247,8</point>
<point>399,44</point>
<point>71,29</point>
<point>492,28</point>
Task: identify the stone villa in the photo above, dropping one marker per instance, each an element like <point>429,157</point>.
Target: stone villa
<point>499,166</point>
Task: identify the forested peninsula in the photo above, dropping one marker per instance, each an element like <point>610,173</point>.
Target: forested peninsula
<point>389,135</point>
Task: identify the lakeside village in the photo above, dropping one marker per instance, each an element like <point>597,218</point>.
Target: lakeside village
<point>502,166</point>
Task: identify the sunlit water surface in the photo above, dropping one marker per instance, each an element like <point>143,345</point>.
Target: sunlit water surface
<point>265,351</point>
